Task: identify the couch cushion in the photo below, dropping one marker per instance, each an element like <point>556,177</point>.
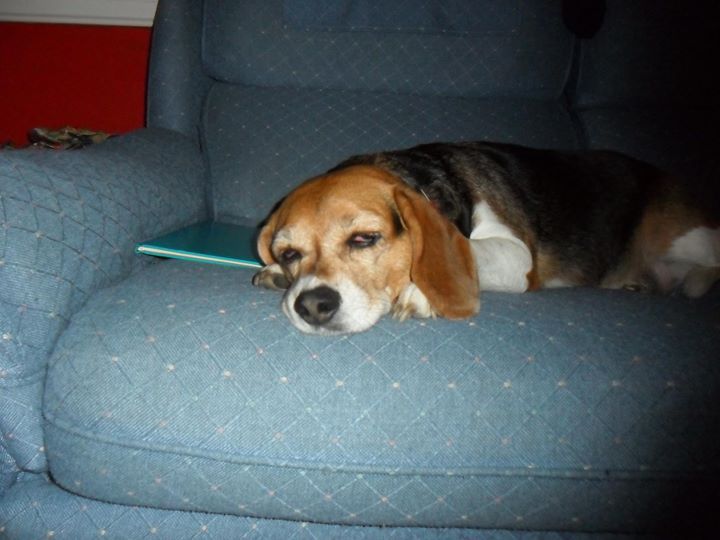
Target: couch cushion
<point>261,142</point>
<point>433,47</point>
<point>36,508</point>
<point>186,388</point>
<point>680,141</point>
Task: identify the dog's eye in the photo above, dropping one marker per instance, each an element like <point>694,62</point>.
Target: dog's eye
<point>289,255</point>
<point>363,240</point>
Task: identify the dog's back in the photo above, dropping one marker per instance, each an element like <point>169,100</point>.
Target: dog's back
<point>587,217</point>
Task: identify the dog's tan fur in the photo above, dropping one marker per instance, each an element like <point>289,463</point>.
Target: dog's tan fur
<point>419,264</point>
<point>319,217</point>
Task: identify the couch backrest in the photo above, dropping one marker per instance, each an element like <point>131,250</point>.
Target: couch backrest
<point>469,48</point>
<point>280,90</point>
<point>646,85</point>
<point>652,52</point>
<point>301,84</point>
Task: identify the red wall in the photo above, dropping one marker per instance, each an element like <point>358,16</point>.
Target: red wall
<point>54,75</point>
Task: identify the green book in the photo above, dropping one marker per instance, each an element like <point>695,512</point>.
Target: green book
<point>208,242</point>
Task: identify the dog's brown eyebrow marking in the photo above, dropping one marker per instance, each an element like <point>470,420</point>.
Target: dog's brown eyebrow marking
<point>398,224</point>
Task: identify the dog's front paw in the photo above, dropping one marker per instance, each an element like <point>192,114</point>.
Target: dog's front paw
<point>412,303</point>
<point>271,277</point>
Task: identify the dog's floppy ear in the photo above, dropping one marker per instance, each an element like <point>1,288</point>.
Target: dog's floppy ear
<point>265,239</point>
<point>443,267</point>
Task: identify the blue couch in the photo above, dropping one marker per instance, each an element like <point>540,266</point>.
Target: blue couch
<point>164,399</point>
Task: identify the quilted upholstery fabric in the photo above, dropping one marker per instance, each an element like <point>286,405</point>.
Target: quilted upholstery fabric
<point>68,222</point>
<point>520,49</point>
<point>38,509</point>
<point>186,388</point>
<point>8,469</point>
<point>183,392</point>
<point>262,142</point>
<point>316,82</point>
<point>177,84</point>
<point>680,142</point>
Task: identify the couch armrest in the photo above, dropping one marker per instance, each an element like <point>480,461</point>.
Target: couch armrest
<point>68,224</point>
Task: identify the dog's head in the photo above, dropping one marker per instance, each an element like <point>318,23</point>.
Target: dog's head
<point>356,243</point>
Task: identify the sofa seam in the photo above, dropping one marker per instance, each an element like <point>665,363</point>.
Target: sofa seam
<point>507,472</point>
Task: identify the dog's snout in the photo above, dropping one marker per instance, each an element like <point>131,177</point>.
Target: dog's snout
<point>317,306</point>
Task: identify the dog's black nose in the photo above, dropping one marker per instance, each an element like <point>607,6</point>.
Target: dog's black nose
<point>317,306</point>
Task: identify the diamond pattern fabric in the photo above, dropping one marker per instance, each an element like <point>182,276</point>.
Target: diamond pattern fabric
<point>185,388</point>
<point>177,84</point>
<point>681,144</point>
<point>68,223</point>
<point>180,403</point>
<point>35,508</point>
<point>519,49</point>
<point>315,84</point>
<point>306,132</point>
<point>405,16</point>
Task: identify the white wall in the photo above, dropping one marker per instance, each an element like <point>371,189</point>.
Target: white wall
<point>111,12</point>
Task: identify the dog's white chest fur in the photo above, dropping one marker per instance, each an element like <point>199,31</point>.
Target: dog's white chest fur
<point>502,260</point>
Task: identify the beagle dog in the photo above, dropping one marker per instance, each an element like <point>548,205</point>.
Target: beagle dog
<point>420,232</point>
